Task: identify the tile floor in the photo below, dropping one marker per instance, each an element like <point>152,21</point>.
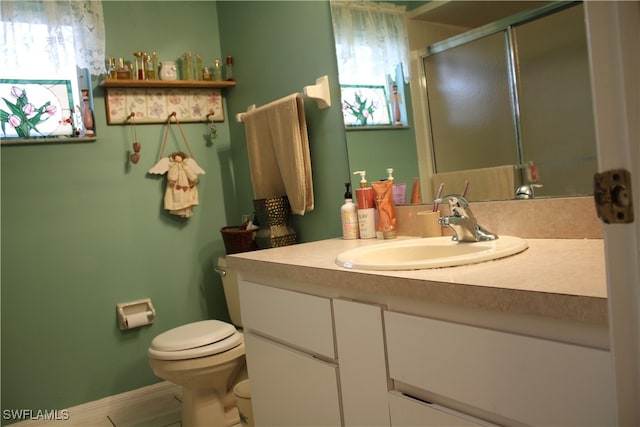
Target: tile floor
<point>158,405</point>
<point>155,411</point>
<point>161,410</point>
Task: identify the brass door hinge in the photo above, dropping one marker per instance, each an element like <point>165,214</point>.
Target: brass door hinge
<point>612,194</point>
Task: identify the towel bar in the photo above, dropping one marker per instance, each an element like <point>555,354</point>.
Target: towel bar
<point>319,92</point>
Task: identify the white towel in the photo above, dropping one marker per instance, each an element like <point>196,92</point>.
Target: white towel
<point>494,183</point>
<point>278,148</point>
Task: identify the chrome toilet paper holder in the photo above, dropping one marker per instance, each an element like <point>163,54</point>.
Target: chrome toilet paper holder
<point>134,314</point>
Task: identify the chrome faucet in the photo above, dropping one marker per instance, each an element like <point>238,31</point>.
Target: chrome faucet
<point>463,222</point>
<point>526,191</point>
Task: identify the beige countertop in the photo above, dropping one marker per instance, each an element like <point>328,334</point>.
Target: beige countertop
<point>553,278</point>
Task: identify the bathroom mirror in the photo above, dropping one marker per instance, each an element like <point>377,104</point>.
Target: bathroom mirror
<point>502,85</point>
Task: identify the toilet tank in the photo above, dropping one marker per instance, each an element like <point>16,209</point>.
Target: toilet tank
<point>231,293</point>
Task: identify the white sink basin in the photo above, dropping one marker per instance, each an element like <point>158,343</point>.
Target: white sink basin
<point>431,252</point>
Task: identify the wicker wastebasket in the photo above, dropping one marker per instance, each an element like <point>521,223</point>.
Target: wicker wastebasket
<point>238,239</point>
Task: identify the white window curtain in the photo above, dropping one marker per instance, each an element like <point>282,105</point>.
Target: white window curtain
<point>371,41</point>
<point>51,36</point>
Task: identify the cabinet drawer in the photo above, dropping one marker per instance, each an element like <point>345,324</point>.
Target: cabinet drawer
<point>300,320</point>
<point>530,380</point>
<point>291,388</point>
<point>407,412</point>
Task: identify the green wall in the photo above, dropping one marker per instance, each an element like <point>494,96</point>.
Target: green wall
<point>83,229</point>
<point>278,48</point>
<point>377,150</point>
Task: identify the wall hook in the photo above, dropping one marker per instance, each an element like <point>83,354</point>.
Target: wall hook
<point>211,127</point>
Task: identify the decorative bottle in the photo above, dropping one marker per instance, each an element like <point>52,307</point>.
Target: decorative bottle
<point>113,70</point>
<point>395,100</point>
<point>206,73</point>
<point>198,73</point>
<point>229,68</point>
<point>154,62</point>
<point>149,71</point>
<point>139,65</point>
<point>87,115</point>
<point>123,72</point>
<point>187,66</point>
<point>217,70</point>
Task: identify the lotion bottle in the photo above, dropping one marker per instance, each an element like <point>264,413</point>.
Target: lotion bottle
<point>387,223</point>
<point>399,190</point>
<point>349,214</point>
<point>366,208</point>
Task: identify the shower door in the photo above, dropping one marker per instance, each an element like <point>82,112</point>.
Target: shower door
<point>512,93</point>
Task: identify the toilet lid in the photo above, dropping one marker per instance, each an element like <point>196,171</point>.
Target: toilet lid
<point>212,349</point>
<point>197,334</point>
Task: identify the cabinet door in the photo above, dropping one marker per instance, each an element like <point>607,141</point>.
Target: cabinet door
<point>531,380</point>
<point>363,367</point>
<point>407,412</point>
<point>290,388</point>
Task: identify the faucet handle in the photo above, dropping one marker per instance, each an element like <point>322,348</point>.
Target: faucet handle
<point>526,191</point>
<point>458,204</point>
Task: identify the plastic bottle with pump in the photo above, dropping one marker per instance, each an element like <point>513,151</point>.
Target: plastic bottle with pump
<point>349,214</point>
<point>399,190</point>
<point>366,208</point>
<point>386,227</point>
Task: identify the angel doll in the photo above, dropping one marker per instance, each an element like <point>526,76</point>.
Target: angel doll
<point>181,194</point>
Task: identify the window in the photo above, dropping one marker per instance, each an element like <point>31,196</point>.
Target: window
<point>372,52</point>
<point>59,43</point>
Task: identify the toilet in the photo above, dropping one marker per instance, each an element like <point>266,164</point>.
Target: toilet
<point>207,359</point>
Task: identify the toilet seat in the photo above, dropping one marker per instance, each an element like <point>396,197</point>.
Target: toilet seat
<point>198,339</point>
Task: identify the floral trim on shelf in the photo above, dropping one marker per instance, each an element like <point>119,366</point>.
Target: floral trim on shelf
<point>155,105</point>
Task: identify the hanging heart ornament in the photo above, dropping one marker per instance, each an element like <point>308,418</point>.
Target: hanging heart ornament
<point>135,157</point>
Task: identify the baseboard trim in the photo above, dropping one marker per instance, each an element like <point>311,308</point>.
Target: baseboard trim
<point>100,409</point>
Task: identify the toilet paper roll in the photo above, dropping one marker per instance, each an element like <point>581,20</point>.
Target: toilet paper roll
<point>137,319</point>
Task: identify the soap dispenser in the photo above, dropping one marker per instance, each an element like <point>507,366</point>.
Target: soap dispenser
<point>399,190</point>
<point>366,208</point>
<point>349,214</point>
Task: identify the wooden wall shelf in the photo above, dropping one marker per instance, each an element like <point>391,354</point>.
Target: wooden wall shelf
<point>152,101</point>
<point>192,84</point>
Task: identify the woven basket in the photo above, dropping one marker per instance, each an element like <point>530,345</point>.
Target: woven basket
<point>237,239</point>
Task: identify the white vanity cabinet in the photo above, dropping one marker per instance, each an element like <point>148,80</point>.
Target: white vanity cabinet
<point>502,343</point>
<point>504,377</point>
<point>332,361</point>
